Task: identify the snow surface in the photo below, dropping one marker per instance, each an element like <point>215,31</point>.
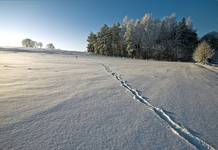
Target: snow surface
<point>59,101</point>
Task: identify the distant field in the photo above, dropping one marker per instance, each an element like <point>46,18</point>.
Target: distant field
<point>69,100</point>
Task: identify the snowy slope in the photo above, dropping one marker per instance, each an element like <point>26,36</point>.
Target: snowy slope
<point>63,102</point>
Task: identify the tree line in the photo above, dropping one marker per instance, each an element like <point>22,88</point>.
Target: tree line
<point>147,38</point>
<point>33,44</point>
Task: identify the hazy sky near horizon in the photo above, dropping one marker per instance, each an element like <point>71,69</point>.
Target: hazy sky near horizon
<point>67,23</point>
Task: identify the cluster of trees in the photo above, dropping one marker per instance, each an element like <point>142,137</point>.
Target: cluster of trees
<point>148,38</point>
<point>33,44</point>
<point>30,43</point>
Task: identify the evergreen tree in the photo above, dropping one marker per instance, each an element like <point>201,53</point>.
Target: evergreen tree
<point>91,42</point>
<point>138,33</point>
<point>116,40</point>
<point>104,39</point>
<point>166,39</point>
<point>186,41</point>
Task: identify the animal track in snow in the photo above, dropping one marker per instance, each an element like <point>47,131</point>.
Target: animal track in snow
<point>175,127</point>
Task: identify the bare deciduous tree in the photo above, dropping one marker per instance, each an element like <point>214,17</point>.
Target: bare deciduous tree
<point>203,52</point>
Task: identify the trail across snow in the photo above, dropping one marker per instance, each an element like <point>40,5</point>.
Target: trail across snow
<point>176,128</point>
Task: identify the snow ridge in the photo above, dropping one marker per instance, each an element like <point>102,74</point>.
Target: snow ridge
<point>176,128</point>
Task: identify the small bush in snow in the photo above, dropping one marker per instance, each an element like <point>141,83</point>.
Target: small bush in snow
<point>203,52</point>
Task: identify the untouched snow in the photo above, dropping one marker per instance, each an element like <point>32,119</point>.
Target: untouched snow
<point>58,101</point>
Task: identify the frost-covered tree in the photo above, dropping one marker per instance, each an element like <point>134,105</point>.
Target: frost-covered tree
<point>203,52</point>
<point>147,37</point>
<point>130,39</point>
<point>146,44</point>
<point>123,45</point>
<point>188,22</point>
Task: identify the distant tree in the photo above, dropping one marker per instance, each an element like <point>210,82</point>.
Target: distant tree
<point>27,42</point>
<point>203,52</point>
<point>212,39</point>
<point>39,44</point>
<point>33,44</point>
<point>50,46</point>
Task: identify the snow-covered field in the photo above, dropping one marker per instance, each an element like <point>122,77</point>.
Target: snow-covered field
<point>59,101</point>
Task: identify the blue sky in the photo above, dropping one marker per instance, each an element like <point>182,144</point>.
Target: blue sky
<point>66,23</point>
